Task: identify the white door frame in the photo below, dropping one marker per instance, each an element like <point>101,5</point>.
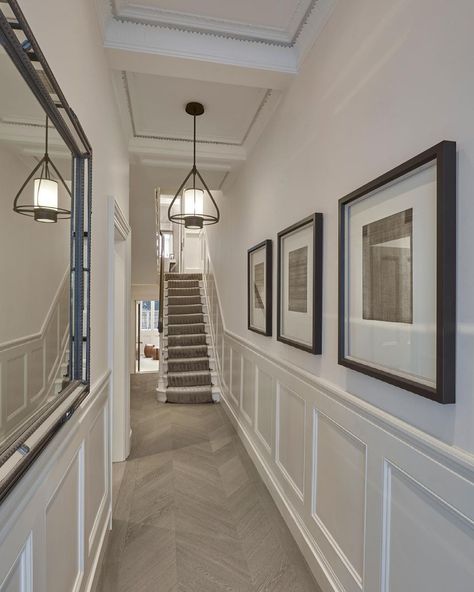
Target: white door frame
<point>119,242</point>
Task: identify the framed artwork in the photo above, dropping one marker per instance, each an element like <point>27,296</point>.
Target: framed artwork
<point>397,276</point>
<point>259,283</point>
<point>300,275</point>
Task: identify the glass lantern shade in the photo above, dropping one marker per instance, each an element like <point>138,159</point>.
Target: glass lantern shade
<point>46,200</point>
<point>193,202</point>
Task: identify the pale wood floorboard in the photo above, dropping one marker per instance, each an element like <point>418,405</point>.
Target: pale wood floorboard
<point>190,512</point>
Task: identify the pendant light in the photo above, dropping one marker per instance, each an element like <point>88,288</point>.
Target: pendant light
<point>45,206</point>
<point>192,208</point>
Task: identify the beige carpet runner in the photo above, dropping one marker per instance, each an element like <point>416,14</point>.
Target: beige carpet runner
<point>189,374</point>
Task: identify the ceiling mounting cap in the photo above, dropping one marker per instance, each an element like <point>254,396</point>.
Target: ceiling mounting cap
<point>195,109</point>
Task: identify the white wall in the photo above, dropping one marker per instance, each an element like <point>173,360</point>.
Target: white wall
<point>34,257</point>
<point>384,81</point>
<point>376,504</point>
<point>143,182</point>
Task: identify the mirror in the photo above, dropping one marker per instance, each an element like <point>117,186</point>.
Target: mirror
<point>45,214</point>
<point>34,258</point>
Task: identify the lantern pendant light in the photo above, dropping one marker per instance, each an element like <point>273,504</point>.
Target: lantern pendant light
<point>192,208</point>
<point>45,206</point>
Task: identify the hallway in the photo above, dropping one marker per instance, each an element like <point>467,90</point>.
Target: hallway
<point>191,513</point>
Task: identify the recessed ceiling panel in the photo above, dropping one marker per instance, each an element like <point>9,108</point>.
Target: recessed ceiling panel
<point>277,14</point>
<point>157,108</point>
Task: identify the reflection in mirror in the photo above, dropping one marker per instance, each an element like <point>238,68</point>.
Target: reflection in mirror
<point>34,259</point>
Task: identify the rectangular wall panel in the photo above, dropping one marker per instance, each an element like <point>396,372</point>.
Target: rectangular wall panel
<point>428,544</point>
<point>15,387</point>
<point>95,476</point>
<point>248,389</point>
<point>339,488</point>
<point>35,372</point>
<point>236,378</point>
<point>290,437</point>
<point>227,362</point>
<point>265,418</point>
<point>64,531</point>
<point>19,576</point>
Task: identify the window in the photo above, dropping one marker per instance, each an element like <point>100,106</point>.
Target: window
<point>150,315</point>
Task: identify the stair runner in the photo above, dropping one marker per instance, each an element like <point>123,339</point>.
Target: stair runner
<point>189,374</point>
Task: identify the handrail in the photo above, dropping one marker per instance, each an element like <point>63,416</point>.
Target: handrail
<point>162,283</point>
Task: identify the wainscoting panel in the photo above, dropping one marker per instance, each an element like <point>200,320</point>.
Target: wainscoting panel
<point>236,377</point>
<point>31,367</point>
<point>290,438</point>
<point>265,410</point>
<point>375,504</point>
<point>420,524</point>
<point>53,524</point>
<point>63,523</point>
<point>97,458</point>
<point>15,385</point>
<point>35,378</point>
<point>227,361</point>
<point>338,504</point>
<point>19,577</point>
<point>248,390</point>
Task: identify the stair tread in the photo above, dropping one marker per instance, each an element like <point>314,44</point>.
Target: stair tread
<point>200,387</point>
<point>194,372</point>
<point>189,360</point>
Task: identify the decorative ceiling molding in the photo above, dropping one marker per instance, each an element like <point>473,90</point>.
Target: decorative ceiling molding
<point>214,27</point>
<point>224,179</point>
<point>128,97</point>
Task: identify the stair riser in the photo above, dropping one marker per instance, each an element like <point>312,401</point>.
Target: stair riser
<point>192,380</point>
<point>184,319</point>
<point>185,330</point>
<point>183,276</point>
<point>180,365</point>
<point>210,366</point>
<point>195,352</point>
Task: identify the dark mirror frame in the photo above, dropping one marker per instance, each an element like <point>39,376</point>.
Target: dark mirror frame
<point>19,43</point>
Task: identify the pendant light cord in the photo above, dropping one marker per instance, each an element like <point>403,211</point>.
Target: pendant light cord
<point>194,156</point>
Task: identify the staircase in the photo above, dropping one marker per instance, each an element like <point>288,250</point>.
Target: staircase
<point>188,366</point>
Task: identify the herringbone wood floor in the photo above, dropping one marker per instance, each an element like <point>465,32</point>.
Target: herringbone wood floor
<point>191,513</point>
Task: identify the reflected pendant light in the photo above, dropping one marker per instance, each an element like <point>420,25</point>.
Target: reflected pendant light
<point>45,206</point>
<point>192,206</point>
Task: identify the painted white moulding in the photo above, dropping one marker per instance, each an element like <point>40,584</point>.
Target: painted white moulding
<point>396,474</point>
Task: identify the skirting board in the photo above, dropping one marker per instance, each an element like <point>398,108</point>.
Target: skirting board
<point>322,572</point>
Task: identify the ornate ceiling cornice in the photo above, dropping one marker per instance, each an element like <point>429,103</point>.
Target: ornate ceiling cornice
<point>212,29</point>
<point>126,87</point>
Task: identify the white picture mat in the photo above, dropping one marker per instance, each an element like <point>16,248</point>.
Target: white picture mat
<point>297,326</point>
<point>407,349</point>
<point>258,315</point>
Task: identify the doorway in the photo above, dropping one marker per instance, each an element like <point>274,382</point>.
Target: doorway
<point>147,349</point>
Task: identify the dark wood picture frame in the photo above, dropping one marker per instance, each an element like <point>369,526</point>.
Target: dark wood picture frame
<point>316,220</point>
<point>444,155</point>
<point>268,246</point>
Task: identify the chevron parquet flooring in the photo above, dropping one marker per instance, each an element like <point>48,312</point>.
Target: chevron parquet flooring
<point>191,513</point>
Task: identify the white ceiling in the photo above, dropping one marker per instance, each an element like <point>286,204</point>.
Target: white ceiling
<point>278,20</point>
<point>236,57</point>
<point>157,104</point>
